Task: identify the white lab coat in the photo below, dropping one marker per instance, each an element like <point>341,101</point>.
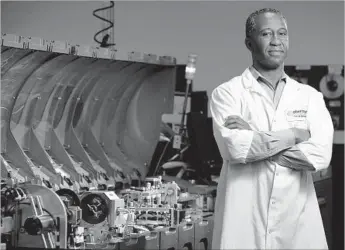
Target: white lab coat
<point>262,205</point>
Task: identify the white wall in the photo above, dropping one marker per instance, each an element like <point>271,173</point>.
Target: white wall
<point>213,30</point>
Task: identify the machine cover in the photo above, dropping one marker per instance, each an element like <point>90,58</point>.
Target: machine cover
<point>65,108</point>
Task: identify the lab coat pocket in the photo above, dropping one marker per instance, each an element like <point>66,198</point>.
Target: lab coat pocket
<point>297,118</point>
<point>299,124</point>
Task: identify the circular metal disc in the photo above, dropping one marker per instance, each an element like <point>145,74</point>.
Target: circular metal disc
<point>326,91</point>
<point>70,195</point>
<point>94,208</point>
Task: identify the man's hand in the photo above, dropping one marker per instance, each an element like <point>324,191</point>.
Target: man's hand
<point>236,122</point>
<point>301,135</point>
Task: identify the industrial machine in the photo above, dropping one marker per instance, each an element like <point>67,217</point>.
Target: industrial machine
<point>78,130</point>
<point>329,80</point>
<point>329,184</point>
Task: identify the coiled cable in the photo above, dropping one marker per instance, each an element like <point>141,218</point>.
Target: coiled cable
<point>104,43</point>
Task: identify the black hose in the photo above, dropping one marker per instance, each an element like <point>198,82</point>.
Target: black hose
<point>104,43</point>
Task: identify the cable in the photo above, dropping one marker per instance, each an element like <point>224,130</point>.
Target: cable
<point>104,43</point>
<point>112,17</point>
<point>161,157</point>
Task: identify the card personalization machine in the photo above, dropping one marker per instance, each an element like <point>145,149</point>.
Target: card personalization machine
<point>79,128</point>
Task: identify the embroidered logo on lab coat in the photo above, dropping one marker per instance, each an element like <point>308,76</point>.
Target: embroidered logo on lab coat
<point>296,114</point>
<point>297,118</point>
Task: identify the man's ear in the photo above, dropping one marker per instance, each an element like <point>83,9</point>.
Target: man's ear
<point>248,44</point>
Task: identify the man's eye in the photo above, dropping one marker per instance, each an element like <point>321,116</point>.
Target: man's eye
<point>266,33</point>
<point>283,33</point>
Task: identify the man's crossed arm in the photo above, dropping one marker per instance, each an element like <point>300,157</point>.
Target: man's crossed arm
<point>293,148</point>
<point>267,145</point>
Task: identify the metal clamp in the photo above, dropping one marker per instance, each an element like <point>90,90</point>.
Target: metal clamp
<point>12,40</point>
<point>167,60</point>
<point>61,47</point>
<point>135,56</point>
<point>150,58</point>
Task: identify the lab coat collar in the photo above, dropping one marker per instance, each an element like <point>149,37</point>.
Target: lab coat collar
<point>288,95</point>
<point>249,82</point>
<point>258,76</point>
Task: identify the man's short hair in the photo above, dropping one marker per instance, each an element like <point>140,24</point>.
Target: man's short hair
<point>250,23</point>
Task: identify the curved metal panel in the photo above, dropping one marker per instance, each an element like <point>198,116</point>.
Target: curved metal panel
<point>45,125</point>
<point>22,102</point>
<point>10,57</point>
<point>33,97</point>
<point>79,116</point>
<point>69,83</point>
<point>64,117</point>
<point>73,141</point>
<point>113,80</point>
<point>38,89</point>
<point>28,99</point>
<point>91,158</point>
<point>116,117</point>
<point>92,108</point>
<point>143,117</point>
<point>4,48</point>
<point>86,82</point>
<point>115,84</point>
<point>13,81</point>
<point>79,145</point>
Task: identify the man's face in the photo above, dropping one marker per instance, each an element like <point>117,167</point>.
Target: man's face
<point>269,42</point>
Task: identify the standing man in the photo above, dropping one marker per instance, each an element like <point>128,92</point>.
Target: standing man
<point>273,133</point>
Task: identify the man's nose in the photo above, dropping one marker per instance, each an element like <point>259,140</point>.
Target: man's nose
<point>275,40</point>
